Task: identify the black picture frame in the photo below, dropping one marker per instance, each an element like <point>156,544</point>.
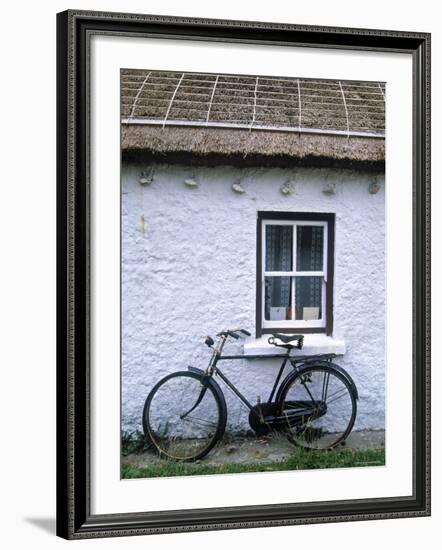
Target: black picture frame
<point>74,518</point>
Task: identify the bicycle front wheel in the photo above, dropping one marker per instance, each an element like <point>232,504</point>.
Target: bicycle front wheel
<point>319,406</point>
<point>183,418</point>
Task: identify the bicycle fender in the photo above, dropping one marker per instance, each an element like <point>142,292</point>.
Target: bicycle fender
<point>332,366</point>
<point>208,381</point>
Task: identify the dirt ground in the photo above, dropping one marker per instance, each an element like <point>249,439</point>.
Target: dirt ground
<point>259,450</point>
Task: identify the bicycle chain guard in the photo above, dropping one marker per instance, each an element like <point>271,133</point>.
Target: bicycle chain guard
<point>263,417</point>
<point>257,418</point>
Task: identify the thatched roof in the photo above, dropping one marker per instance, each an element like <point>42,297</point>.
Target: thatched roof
<point>212,118</point>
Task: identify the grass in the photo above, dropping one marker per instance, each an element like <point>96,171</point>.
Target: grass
<point>300,459</point>
<point>133,443</point>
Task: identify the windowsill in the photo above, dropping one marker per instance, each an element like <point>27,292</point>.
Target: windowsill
<point>314,343</point>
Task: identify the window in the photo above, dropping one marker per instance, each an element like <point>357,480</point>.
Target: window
<point>294,284</point>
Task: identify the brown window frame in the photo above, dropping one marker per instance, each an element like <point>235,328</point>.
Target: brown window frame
<point>297,216</point>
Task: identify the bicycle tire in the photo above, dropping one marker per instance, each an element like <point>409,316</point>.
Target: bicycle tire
<point>168,400</point>
<point>311,422</point>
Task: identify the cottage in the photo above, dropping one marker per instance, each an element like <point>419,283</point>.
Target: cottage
<point>255,202</point>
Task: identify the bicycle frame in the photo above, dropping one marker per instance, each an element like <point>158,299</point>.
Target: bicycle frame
<point>286,357</point>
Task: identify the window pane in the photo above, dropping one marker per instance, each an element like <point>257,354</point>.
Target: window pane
<point>308,298</point>
<point>279,248</point>
<point>309,248</point>
<point>278,298</point>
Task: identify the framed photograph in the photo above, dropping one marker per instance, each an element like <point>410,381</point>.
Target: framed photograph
<point>243,274</point>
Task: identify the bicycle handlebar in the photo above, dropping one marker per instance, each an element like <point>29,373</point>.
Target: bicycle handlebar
<point>234,333</point>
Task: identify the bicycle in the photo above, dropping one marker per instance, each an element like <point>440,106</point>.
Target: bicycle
<point>315,405</point>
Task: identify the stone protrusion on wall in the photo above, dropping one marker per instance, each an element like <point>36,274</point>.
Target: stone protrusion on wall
<point>191,182</point>
<point>237,187</point>
<point>329,188</point>
<point>288,188</point>
<point>147,176</point>
<point>374,187</point>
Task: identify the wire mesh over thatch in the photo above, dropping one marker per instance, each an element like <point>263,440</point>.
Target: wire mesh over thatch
<point>179,116</point>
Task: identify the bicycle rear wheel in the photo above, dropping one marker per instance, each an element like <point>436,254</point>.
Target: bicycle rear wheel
<point>183,418</point>
<point>319,406</point>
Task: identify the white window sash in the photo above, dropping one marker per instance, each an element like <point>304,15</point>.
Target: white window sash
<point>295,323</point>
<point>294,273</point>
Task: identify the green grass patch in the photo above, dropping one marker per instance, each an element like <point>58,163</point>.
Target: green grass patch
<point>133,443</point>
<point>300,459</point>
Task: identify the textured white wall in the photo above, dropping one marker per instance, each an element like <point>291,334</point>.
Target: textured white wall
<point>188,270</point>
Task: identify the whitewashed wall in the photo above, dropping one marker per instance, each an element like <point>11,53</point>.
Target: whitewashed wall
<point>188,270</point>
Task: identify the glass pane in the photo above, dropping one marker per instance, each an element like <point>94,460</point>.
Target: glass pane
<point>309,247</point>
<point>278,298</point>
<point>279,248</point>
<point>308,298</point>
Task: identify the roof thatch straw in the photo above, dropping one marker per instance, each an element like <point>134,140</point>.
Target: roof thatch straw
<point>239,147</point>
<point>209,118</point>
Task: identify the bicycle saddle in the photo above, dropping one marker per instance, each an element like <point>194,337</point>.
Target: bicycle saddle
<point>289,340</point>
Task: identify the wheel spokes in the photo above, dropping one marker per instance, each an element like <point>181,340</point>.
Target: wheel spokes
<point>199,421</point>
<point>182,423</point>
<point>338,395</point>
<point>328,416</point>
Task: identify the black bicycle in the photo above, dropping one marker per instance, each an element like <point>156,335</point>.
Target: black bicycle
<point>185,413</point>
